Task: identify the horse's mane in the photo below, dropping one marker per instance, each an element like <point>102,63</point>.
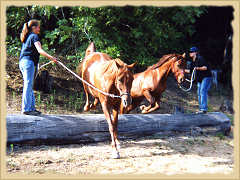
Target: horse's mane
<point>111,65</point>
<point>162,60</point>
<point>119,62</point>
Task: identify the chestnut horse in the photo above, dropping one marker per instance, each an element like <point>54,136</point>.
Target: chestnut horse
<point>111,76</point>
<point>151,83</point>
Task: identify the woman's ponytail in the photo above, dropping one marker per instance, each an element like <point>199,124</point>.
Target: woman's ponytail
<point>24,33</point>
<point>27,27</point>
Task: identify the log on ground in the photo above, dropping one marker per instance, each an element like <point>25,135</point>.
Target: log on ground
<point>62,129</point>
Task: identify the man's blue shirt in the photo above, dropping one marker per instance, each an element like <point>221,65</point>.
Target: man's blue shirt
<point>199,62</point>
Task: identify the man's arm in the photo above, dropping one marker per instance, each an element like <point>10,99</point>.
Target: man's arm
<point>202,68</point>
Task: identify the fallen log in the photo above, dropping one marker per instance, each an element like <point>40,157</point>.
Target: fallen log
<point>93,127</point>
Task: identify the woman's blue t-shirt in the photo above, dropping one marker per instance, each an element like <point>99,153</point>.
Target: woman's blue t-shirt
<point>28,48</point>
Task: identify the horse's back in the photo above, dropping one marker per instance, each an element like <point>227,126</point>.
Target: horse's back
<point>93,68</point>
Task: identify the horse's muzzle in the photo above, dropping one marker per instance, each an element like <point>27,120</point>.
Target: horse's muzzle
<point>126,99</point>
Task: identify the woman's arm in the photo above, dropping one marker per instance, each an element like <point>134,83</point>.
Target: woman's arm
<point>43,53</point>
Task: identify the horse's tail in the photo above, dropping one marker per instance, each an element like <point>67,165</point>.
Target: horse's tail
<point>79,69</point>
<point>91,48</point>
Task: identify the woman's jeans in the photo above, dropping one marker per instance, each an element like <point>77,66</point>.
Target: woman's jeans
<point>202,91</point>
<point>27,69</point>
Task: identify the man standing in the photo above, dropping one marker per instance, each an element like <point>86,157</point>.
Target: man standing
<point>203,77</point>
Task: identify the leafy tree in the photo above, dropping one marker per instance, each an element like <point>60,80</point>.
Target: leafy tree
<point>131,33</point>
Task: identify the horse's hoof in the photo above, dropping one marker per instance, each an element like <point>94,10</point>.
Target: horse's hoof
<point>86,108</point>
<point>92,107</point>
<point>116,155</point>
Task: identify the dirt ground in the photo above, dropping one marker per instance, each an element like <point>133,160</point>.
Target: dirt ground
<point>173,154</point>
<point>168,154</point>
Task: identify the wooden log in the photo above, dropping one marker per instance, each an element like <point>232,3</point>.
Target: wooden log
<point>93,127</point>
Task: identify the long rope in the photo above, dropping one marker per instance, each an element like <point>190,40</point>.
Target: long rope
<point>99,90</point>
<point>108,94</point>
<point>191,81</point>
<point>41,68</point>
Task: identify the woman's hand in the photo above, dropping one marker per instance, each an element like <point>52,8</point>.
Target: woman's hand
<point>54,60</point>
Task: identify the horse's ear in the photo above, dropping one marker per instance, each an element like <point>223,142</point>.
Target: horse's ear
<point>131,65</point>
<point>184,55</point>
<point>118,64</point>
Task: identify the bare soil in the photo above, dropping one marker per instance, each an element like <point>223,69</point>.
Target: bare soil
<point>174,153</point>
<point>168,155</point>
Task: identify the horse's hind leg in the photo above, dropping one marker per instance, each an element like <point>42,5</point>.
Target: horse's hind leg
<point>150,99</point>
<point>87,104</point>
<point>93,106</point>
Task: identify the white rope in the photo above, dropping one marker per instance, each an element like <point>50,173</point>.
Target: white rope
<point>41,68</point>
<point>45,64</point>
<point>191,81</point>
<point>105,93</point>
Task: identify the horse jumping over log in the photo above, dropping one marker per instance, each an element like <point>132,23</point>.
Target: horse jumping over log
<point>151,83</point>
<point>111,76</point>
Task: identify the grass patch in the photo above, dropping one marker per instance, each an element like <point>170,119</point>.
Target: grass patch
<point>220,135</point>
<point>231,117</point>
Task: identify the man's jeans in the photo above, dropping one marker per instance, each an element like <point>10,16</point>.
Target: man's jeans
<point>27,69</point>
<point>202,91</point>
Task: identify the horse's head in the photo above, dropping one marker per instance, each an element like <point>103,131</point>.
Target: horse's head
<point>123,81</point>
<point>178,66</point>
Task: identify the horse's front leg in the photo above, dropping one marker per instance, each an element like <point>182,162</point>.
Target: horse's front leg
<point>157,106</point>
<point>115,127</point>
<point>106,111</point>
<point>150,99</point>
<point>122,109</point>
<point>135,103</point>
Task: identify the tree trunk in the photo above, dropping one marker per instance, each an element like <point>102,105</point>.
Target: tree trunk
<point>93,127</point>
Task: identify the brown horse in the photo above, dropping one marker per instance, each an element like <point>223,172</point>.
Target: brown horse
<point>151,83</point>
<point>111,76</point>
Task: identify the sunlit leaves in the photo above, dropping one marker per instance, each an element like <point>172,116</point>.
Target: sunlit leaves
<point>131,33</point>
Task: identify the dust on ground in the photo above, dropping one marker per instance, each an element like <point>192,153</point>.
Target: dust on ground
<point>169,155</point>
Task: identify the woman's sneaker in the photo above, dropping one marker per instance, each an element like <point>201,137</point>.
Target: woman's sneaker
<point>201,112</point>
<point>32,113</point>
<point>38,112</point>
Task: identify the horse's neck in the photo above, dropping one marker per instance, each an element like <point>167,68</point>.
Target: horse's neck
<point>110,67</point>
<point>165,69</point>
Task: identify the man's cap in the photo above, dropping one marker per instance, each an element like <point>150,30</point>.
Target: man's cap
<point>193,49</point>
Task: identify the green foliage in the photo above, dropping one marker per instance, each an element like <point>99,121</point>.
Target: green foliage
<point>220,135</point>
<point>130,33</point>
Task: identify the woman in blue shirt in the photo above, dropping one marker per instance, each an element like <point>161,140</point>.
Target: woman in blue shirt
<point>29,57</point>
